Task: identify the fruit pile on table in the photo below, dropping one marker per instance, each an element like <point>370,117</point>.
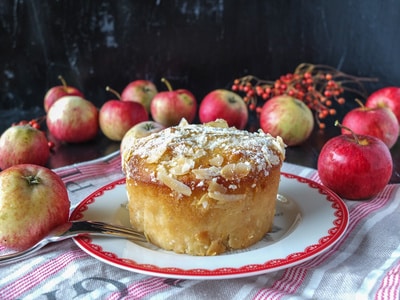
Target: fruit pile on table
<point>290,107</point>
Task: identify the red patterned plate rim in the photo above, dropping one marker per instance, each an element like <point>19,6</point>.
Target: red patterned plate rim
<point>338,226</point>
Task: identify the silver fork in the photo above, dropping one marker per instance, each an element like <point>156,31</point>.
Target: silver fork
<point>74,229</point>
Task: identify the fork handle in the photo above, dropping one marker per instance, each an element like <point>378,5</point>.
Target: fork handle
<point>16,256</point>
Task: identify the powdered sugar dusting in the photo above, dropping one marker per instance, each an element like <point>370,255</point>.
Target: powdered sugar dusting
<point>206,152</point>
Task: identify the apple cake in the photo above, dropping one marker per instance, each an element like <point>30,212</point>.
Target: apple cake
<point>203,189</point>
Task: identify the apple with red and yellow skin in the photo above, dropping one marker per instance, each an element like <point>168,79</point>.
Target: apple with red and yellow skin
<point>140,130</point>
<point>116,117</point>
<point>386,97</point>
<point>287,117</point>
<point>33,201</point>
<point>354,166</point>
<point>141,91</point>
<point>224,104</point>
<point>73,119</point>
<point>23,144</point>
<point>59,91</point>
<point>379,122</point>
<point>169,107</point>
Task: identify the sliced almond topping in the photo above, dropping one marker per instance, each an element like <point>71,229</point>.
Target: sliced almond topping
<point>183,122</point>
<point>226,197</point>
<point>235,171</point>
<point>182,166</point>
<point>199,153</point>
<point>203,201</point>
<point>173,183</point>
<point>216,187</point>
<point>217,161</point>
<point>219,123</point>
<point>155,154</point>
<point>206,173</point>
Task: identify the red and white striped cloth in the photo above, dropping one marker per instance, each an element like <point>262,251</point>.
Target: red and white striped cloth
<point>364,264</point>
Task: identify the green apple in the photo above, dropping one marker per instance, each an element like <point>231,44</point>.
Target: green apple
<point>288,118</point>
<point>142,91</point>
<point>140,130</point>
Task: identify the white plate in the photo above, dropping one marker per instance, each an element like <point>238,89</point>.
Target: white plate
<point>308,222</point>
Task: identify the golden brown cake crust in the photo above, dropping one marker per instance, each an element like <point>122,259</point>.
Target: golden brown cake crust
<point>203,190</point>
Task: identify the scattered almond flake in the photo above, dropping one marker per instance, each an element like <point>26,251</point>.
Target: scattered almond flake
<point>199,153</point>
<point>214,186</point>
<point>235,171</point>
<point>182,166</point>
<point>179,150</point>
<point>203,201</point>
<point>172,183</point>
<point>226,197</point>
<point>155,153</point>
<point>206,173</point>
<point>232,187</point>
<point>217,160</point>
<point>183,122</point>
<point>220,123</point>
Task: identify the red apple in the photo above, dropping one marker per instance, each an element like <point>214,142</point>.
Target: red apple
<point>379,122</point>
<point>140,130</point>
<point>224,104</point>
<point>142,91</point>
<point>116,117</point>
<point>169,107</point>
<point>23,144</point>
<point>386,97</point>
<point>288,118</point>
<point>73,119</point>
<point>59,91</point>
<point>355,166</point>
<point>33,201</point>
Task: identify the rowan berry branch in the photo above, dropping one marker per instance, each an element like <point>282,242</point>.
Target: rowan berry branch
<point>320,87</point>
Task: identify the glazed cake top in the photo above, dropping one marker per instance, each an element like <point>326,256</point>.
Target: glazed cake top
<point>187,156</point>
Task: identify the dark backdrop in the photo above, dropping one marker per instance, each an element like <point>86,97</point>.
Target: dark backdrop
<point>198,45</point>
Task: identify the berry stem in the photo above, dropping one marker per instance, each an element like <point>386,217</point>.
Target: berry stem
<point>167,83</point>
<point>320,87</point>
<point>337,123</point>
<point>108,89</point>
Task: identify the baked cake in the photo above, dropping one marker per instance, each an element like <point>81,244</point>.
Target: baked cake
<point>203,189</point>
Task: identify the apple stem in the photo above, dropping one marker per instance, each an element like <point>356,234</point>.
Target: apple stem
<point>108,89</point>
<point>149,126</point>
<point>64,83</point>
<point>167,83</point>
<point>32,179</point>
<point>359,103</point>
<point>337,123</point>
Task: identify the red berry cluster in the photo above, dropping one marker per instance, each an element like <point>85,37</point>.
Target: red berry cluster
<point>318,86</point>
<point>34,123</point>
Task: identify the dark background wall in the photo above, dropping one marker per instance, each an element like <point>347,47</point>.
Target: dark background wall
<point>198,45</point>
